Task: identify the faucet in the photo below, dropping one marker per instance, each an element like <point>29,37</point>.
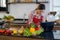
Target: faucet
<point>24,18</point>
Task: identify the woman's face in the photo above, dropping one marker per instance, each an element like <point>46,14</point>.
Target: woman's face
<point>39,11</point>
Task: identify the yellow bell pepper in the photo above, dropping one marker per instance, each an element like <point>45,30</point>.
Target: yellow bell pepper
<point>32,30</point>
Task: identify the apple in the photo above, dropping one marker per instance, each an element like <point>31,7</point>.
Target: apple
<point>8,32</point>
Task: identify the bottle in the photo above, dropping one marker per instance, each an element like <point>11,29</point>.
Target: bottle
<point>9,1</point>
<point>13,0</point>
<point>24,17</point>
<point>18,0</point>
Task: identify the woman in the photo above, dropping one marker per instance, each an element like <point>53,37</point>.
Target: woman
<point>36,15</point>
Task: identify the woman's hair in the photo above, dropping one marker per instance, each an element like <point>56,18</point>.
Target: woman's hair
<point>41,7</point>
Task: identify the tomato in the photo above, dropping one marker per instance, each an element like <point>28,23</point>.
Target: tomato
<point>36,28</point>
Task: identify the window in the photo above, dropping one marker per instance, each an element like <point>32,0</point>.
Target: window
<point>55,6</point>
<point>2,5</point>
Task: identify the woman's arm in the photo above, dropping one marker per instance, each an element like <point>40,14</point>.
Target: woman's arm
<point>30,18</point>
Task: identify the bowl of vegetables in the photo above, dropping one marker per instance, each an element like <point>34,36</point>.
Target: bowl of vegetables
<point>32,30</point>
<point>8,18</point>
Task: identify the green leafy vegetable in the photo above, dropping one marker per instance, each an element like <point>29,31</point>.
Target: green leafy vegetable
<point>27,32</point>
<point>10,17</point>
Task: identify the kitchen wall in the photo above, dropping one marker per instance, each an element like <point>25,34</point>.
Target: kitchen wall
<point>22,9</point>
<point>18,10</point>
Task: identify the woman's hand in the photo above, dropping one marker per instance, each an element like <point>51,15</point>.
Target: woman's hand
<point>39,26</point>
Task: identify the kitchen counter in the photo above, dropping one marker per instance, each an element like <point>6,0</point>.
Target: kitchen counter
<point>56,27</point>
<point>2,37</point>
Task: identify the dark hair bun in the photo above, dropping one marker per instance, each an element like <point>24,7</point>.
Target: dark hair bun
<point>41,7</point>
